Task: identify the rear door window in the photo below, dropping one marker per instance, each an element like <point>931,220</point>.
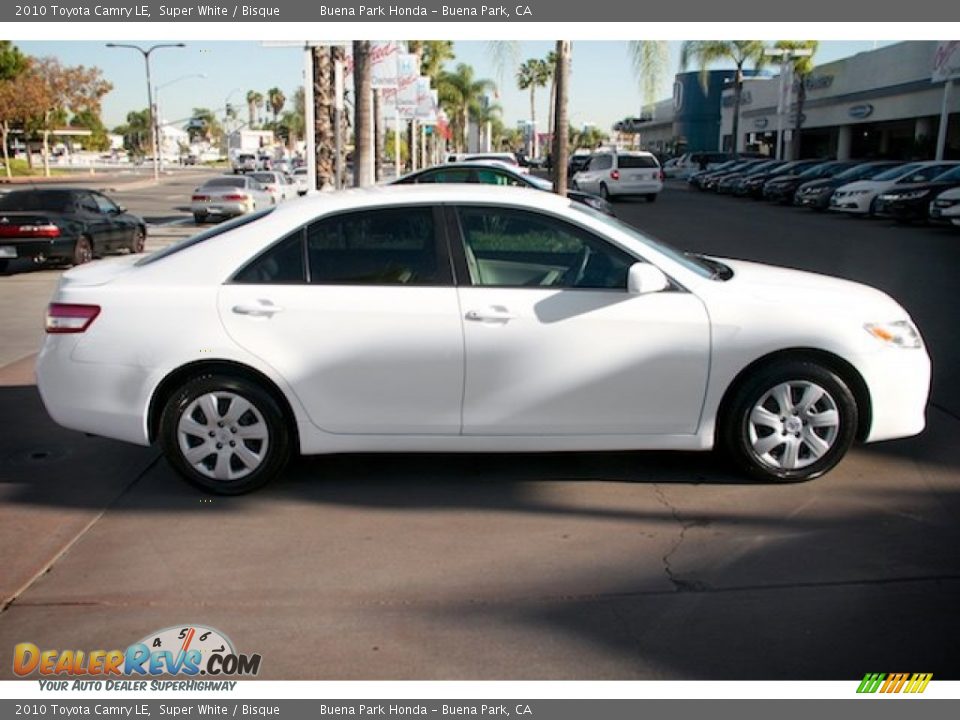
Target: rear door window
<point>636,161</point>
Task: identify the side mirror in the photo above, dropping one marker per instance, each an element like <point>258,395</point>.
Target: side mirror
<point>644,278</point>
<point>120,210</point>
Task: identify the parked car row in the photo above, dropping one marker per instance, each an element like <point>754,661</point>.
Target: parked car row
<point>905,191</point>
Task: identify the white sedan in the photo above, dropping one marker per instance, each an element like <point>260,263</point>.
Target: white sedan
<point>858,197</point>
<point>452,318</point>
<point>228,196</point>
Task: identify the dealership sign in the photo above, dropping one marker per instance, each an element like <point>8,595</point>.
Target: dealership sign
<point>861,111</point>
<point>946,61</point>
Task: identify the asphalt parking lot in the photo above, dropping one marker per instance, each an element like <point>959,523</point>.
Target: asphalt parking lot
<point>560,566</point>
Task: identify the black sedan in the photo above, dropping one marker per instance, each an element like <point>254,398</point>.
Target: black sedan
<point>815,194</point>
<point>65,225</point>
<point>753,186</point>
<point>782,188</point>
<point>911,202</point>
<point>713,181</point>
<point>492,173</point>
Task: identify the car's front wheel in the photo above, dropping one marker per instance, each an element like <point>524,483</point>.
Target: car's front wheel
<point>224,434</point>
<point>139,241</point>
<point>82,251</point>
<point>789,422</point>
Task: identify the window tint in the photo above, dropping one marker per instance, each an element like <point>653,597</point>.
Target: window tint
<point>238,182</point>
<point>493,177</point>
<point>516,248</point>
<point>86,202</point>
<point>636,161</point>
<point>390,246</point>
<point>601,162</point>
<point>453,175</point>
<point>897,172</point>
<point>105,205</point>
<point>281,264</point>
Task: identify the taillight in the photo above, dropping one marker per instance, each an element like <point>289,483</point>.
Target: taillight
<point>70,318</point>
<point>241,198</point>
<point>614,174</point>
<point>200,197</point>
<point>47,230</point>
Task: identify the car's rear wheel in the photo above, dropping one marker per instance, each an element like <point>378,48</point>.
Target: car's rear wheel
<point>139,240</point>
<point>605,193</point>
<point>225,434</point>
<point>3,265</point>
<point>789,422</point>
<point>82,251</point>
<point>199,218</point>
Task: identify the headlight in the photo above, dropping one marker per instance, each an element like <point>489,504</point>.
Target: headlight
<point>901,334</point>
<point>913,195</point>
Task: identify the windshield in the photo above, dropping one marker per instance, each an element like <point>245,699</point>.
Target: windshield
<point>264,177</point>
<point>762,167</point>
<point>862,172</point>
<point>898,172</point>
<point>693,264</point>
<point>539,183</point>
<point>949,176</point>
<point>817,171</point>
<point>205,235</point>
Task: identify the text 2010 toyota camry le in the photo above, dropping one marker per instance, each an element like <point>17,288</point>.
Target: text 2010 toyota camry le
<point>460,318</point>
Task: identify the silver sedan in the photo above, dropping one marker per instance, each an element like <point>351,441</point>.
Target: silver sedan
<point>229,196</point>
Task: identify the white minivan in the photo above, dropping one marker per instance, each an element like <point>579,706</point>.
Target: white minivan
<point>612,174</point>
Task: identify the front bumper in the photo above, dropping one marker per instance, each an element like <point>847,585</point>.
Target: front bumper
<point>857,204</point>
<point>898,381</point>
<point>901,209</point>
<point>821,201</point>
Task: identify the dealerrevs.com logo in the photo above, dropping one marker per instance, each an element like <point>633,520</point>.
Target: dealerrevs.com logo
<point>887,683</point>
<point>191,650</point>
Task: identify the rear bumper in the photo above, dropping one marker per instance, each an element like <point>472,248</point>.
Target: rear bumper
<point>635,188</point>
<point>36,249</point>
<point>227,209</point>
<point>109,400</point>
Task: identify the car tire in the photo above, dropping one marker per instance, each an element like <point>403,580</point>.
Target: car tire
<point>256,427</point>
<point>772,431</point>
<point>199,218</point>
<point>605,193</point>
<point>82,251</point>
<point>651,197</point>
<point>4,264</point>
<point>139,241</point>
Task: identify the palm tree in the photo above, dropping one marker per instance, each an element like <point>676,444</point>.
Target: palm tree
<point>254,100</point>
<point>560,118</point>
<point>323,116</point>
<point>460,92</point>
<point>533,74</point>
<point>432,56</point>
<point>551,64</point>
<point>802,69</point>
<point>363,114</point>
<point>485,115</point>
<point>275,101</point>
<point>650,59</point>
<point>739,52</point>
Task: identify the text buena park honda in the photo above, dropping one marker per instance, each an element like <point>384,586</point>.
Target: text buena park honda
<point>173,709</point>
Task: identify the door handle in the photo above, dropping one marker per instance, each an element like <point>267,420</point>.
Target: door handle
<point>491,314</point>
<point>262,308</point>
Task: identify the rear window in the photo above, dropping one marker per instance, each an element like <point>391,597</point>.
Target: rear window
<point>33,200</point>
<point>636,161</point>
<point>205,235</point>
<point>264,177</point>
<point>509,159</point>
<point>226,182</point>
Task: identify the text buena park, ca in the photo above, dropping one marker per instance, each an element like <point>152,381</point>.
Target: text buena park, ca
<point>232,11</point>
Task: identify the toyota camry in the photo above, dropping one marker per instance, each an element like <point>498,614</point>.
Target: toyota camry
<point>448,318</point>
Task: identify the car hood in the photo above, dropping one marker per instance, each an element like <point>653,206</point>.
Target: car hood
<point>821,293</point>
<point>867,185</point>
<point>821,183</point>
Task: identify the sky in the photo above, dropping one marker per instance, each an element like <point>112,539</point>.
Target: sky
<point>603,86</point>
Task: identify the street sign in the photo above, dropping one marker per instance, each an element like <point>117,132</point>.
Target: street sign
<point>946,61</point>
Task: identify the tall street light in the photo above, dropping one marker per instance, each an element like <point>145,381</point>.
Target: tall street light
<point>156,95</point>
<point>153,116</point>
<point>787,56</point>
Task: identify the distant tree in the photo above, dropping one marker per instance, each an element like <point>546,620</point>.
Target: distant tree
<point>90,120</point>
<point>275,101</point>
<point>135,132</point>
<point>363,114</point>
<point>532,74</point>
<point>13,108</point>
<point>460,93</point>
<point>650,59</point>
<point>739,52</point>
<point>203,125</point>
<point>254,101</point>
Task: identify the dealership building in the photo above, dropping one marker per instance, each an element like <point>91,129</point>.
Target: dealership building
<point>880,103</point>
